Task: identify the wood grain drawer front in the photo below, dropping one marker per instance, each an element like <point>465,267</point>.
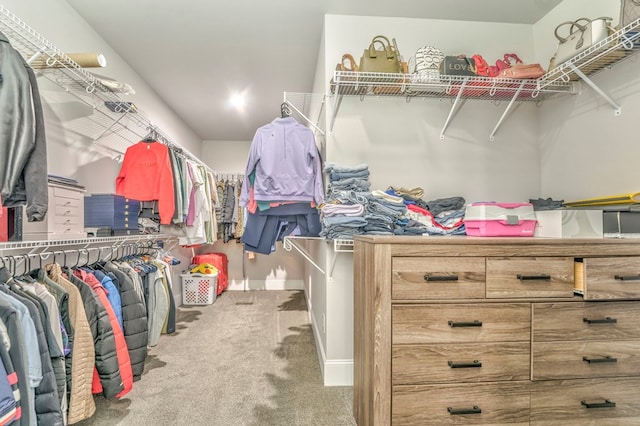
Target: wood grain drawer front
<point>585,321</point>
<point>577,360</point>
<point>422,278</point>
<point>612,278</point>
<point>460,363</point>
<point>474,404</point>
<point>586,402</point>
<point>527,277</point>
<point>458,323</point>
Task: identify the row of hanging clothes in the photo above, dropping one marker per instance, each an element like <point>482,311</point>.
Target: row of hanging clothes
<point>74,328</point>
<point>177,193</point>
<point>229,213</point>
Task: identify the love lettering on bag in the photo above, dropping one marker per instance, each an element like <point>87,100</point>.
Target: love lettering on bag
<point>458,65</point>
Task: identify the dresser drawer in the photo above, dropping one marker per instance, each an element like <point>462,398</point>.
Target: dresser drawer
<point>611,278</point>
<point>585,321</point>
<point>66,221</point>
<point>66,211</point>
<point>475,404</point>
<point>576,360</point>
<point>455,323</point>
<point>69,193</point>
<point>529,277</point>
<point>437,278</point>
<point>584,402</point>
<point>67,202</point>
<point>460,363</point>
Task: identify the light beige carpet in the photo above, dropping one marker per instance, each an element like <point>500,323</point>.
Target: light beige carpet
<point>247,360</point>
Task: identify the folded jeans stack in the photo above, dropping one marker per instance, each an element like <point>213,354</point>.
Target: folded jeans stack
<point>342,214</point>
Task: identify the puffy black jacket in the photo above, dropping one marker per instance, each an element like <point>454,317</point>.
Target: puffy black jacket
<point>134,316</point>
<point>103,338</point>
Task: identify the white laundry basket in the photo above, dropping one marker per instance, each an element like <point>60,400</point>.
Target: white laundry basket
<point>199,289</point>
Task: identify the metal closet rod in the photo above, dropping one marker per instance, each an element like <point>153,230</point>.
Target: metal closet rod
<point>82,256</point>
<point>157,134</point>
<point>229,175</point>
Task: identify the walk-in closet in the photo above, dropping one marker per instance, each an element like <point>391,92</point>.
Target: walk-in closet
<point>334,213</point>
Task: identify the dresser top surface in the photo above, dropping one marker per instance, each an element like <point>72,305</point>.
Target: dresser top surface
<point>517,241</point>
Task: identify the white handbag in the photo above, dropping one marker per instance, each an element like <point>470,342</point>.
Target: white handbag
<point>425,64</point>
<point>583,33</point>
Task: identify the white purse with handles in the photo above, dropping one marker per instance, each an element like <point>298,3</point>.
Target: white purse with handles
<point>583,33</point>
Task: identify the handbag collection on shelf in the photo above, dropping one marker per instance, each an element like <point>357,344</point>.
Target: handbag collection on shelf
<point>585,33</point>
<point>430,71</point>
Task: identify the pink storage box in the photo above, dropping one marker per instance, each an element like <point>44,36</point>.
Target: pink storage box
<point>500,220</point>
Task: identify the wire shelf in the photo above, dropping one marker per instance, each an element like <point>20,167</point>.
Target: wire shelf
<point>109,127</point>
<point>353,83</point>
<point>619,46</point>
<point>115,241</point>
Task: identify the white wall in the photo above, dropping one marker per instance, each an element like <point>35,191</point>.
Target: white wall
<point>586,150</point>
<point>226,156</point>
<point>71,152</point>
<point>399,140</point>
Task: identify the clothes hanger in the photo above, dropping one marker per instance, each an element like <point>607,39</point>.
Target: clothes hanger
<point>285,111</point>
<point>151,137</point>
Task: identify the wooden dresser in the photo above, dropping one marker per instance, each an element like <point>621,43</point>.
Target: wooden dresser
<point>475,331</point>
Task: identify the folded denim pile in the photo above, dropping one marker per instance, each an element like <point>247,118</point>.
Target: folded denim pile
<point>347,195</point>
<point>382,212</point>
<point>442,216</point>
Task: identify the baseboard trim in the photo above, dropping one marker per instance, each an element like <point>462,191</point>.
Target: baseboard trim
<point>335,372</point>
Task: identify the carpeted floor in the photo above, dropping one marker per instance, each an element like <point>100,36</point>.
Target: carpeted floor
<point>247,360</point>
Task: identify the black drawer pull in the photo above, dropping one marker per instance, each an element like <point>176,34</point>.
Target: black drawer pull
<point>607,320</point>
<point>461,411</point>
<point>428,277</point>
<point>543,277</point>
<point>627,277</point>
<point>607,359</point>
<point>475,323</point>
<point>605,404</point>
<point>473,364</point>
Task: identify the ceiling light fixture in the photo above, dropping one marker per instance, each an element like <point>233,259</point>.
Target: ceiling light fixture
<point>238,101</point>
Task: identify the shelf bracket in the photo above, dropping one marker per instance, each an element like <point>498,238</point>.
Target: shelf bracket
<point>337,101</point>
<point>506,111</point>
<point>289,243</point>
<point>339,246</point>
<point>453,108</point>
<point>616,108</point>
<point>111,126</point>
<point>304,116</point>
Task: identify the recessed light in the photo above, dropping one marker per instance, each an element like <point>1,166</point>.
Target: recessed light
<point>238,100</point>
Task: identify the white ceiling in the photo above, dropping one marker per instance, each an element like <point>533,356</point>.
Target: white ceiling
<point>196,53</point>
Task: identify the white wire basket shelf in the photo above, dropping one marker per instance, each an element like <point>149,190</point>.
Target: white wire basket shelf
<point>352,83</point>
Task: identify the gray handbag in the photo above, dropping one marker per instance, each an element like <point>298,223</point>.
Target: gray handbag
<point>629,12</point>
